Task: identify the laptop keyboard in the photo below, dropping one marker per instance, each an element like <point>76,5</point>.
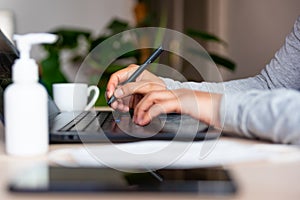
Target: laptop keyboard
<point>93,121</point>
<point>88,121</point>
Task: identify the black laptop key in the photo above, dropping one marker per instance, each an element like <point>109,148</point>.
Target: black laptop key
<point>108,123</point>
<point>84,122</point>
<point>97,122</point>
<point>80,122</point>
<point>73,122</point>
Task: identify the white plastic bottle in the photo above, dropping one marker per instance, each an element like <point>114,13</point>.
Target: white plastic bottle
<point>25,102</point>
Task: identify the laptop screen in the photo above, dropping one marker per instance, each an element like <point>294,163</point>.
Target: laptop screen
<point>8,53</point>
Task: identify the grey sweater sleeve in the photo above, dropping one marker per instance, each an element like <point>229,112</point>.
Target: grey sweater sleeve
<point>272,115</point>
<point>253,106</point>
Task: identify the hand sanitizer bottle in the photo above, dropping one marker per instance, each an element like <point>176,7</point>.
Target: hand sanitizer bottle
<point>25,102</point>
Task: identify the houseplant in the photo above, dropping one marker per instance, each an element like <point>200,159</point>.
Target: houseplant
<point>69,39</point>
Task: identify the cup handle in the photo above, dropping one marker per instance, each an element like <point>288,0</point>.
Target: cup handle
<point>95,96</point>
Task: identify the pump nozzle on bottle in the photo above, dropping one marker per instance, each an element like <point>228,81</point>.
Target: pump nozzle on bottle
<point>24,42</point>
<point>25,68</point>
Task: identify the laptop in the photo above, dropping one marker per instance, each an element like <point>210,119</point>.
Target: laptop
<point>103,126</point>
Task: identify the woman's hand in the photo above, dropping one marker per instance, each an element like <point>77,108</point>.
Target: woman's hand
<point>203,106</point>
<point>129,94</point>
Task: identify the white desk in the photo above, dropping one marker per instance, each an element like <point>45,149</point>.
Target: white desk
<point>256,180</point>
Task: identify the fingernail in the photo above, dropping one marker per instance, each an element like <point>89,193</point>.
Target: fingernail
<point>108,93</point>
<point>139,120</point>
<point>119,92</point>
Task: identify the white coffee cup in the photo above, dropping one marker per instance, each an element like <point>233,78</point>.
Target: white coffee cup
<point>74,96</point>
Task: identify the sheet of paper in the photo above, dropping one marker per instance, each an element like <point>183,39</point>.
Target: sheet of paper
<point>158,154</point>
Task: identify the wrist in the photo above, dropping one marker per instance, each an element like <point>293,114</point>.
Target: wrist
<point>209,104</point>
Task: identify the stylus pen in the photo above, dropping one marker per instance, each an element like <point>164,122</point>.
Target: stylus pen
<point>142,67</point>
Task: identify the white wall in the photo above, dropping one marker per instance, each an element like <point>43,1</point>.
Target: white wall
<point>45,15</point>
<point>254,30</point>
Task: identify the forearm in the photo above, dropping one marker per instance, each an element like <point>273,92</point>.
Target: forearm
<point>271,115</point>
<point>234,86</point>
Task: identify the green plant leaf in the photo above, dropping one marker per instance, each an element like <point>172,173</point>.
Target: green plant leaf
<point>219,60</point>
<point>113,68</point>
<point>97,41</point>
<point>130,54</point>
<point>117,26</point>
<point>68,37</point>
<point>223,61</point>
<point>51,72</point>
<point>205,36</point>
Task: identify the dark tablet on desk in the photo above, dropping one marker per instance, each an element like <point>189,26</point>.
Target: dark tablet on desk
<point>59,179</point>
